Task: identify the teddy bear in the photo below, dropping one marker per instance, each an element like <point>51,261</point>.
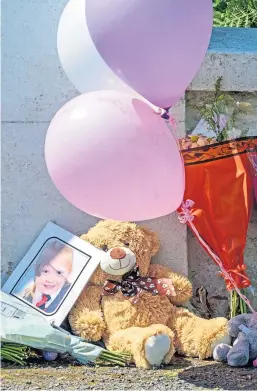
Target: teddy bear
<point>135,307</point>
<point>243,329</point>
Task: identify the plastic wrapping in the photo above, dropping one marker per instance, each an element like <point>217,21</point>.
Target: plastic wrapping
<point>219,182</point>
<point>22,324</point>
<point>252,156</point>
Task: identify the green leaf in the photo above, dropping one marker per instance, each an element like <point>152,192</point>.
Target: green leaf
<point>235,13</point>
<point>225,104</point>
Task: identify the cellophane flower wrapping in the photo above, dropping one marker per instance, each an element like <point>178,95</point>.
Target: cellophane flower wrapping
<point>22,324</point>
<point>252,156</point>
<point>219,181</point>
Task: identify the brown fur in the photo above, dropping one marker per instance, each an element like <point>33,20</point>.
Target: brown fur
<point>125,326</point>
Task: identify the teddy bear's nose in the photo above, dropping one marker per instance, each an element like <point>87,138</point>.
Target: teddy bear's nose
<point>117,253</point>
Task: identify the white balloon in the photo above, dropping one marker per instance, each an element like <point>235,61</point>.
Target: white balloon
<point>80,59</point>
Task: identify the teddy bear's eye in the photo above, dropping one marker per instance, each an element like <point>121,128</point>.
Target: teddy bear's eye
<point>104,247</point>
<point>126,244</point>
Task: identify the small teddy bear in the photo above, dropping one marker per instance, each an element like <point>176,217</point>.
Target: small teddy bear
<point>243,328</point>
<point>135,307</point>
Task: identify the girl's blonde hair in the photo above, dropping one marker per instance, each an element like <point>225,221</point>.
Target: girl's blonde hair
<point>50,251</point>
<point>53,249</point>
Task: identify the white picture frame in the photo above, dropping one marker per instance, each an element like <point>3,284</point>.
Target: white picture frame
<point>58,265</point>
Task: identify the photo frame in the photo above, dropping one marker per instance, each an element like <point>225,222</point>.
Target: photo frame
<point>54,271</point>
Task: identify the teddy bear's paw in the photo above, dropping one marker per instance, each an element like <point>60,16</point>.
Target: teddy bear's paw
<point>89,325</point>
<point>156,348</point>
<point>220,352</point>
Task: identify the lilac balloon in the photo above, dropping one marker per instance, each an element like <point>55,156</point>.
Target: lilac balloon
<point>155,46</point>
<point>112,156</point>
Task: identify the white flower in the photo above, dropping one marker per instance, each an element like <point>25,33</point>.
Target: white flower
<point>149,280</point>
<point>151,285</point>
<point>142,283</point>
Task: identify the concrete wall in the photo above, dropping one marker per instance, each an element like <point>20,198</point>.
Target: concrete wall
<point>34,87</point>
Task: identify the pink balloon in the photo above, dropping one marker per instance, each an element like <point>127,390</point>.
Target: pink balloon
<point>112,156</point>
<point>155,46</point>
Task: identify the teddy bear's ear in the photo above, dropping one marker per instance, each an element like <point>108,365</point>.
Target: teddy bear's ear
<point>152,238</point>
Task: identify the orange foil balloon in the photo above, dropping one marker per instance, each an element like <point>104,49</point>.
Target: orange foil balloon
<point>219,181</point>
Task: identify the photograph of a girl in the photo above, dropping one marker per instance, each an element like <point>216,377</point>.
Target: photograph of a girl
<point>51,280</point>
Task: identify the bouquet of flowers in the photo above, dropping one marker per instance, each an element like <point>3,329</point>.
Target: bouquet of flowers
<point>219,187</point>
<point>23,325</point>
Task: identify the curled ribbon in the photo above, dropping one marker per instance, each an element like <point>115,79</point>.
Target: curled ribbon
<point>239,272</point>
<point>186,215</point>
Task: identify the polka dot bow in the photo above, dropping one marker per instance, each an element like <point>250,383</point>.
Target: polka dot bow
<point>132,285</point>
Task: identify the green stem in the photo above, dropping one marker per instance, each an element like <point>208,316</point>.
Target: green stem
<point>114,358</point>
<point>106,357</point>
<point>231,304</point>
<point>14,348</point>
<point>115,355</point>
<point>14,352</point>
<point>12,357</point>
<point>241,306</point>
<point>234,304</point>
<point>237,304</point>
<point>244,306</point>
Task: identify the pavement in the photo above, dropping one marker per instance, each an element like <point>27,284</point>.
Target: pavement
<point>183,374</point>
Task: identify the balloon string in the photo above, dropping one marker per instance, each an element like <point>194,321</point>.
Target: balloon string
<point>186,217</point>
